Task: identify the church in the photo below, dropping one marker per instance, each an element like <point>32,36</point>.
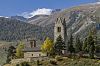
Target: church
<point>60,29</point>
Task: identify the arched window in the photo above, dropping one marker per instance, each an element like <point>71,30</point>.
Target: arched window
<point>58,29</point>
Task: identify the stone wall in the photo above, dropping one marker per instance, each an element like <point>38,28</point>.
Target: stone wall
<point>60,22</point>
<point>34,54</point>
<point>17,61</point>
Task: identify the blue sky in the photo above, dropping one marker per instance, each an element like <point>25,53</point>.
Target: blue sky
<point>14,7</point>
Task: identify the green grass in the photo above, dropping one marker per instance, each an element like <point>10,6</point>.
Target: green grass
<point>68,62</point>
<point>3,53</point>
<point>3,56</point>
<point>73,62</point>
<point>79,62</point>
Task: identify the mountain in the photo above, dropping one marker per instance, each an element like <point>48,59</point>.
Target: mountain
<point>43,20</point>
<point>79,19</point>
<point>37,16</point>
<point>21,18</point>
<point>56,10</point>
<point>11,30</point>
<point>17,28</point>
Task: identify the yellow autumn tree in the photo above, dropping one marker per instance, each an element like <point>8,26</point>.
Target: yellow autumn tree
<point>47,46</point>
<point>19,52</point>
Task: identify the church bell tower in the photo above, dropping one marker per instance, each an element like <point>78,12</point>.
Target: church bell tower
<point>60,29</point>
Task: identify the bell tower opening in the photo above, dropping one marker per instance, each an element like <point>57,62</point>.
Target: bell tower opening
<point>32,43</point>
<point>58,29</point>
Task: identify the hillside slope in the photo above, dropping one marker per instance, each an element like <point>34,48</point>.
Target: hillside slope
<point>79,20</point>
<point>11,30</point>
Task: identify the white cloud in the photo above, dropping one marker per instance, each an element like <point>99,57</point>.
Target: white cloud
<point>42,11</point>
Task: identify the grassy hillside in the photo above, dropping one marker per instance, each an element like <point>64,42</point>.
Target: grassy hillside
<point>2,56</point>
<point>3,50</point>
<point>65,62</point>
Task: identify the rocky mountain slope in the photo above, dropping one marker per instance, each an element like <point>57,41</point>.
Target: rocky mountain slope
<point>21,18</point>
<point>79,20</point>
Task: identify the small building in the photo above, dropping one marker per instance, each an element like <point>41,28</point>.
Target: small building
<point>31,50</point>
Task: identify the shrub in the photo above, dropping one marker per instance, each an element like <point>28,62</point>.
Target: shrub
<point>53,62</point>
<point>37,62</point>
<point>24,64</point>
<point>97,48</point>
<point>58,58</point>
<point>17,64</point>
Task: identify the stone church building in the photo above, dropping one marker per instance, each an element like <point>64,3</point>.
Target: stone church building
<point>60,29</point>
<point>32,51</point>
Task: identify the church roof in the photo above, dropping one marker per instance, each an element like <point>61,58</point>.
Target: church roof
<point>28,48</point>
<point>34,49</point>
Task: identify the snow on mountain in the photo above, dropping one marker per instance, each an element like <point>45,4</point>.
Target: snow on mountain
<point>4,16</point>
<point>39,11</point>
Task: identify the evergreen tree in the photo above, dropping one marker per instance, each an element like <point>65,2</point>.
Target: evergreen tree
<point>10,54</point>
<point>91,45</point>
<point>85,45</point>
<point>91,51</point>
<point>71,49</point>
<point>78,45</point>
<point>59,45</point>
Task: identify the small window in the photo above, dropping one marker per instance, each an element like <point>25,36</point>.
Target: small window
<point>32,54</point>
<point>59,29</point>
<point>39,55</point>
<point>31,43</point>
